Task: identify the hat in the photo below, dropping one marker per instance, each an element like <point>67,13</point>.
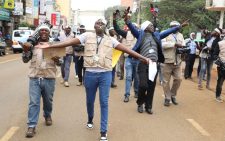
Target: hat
<point>218,30</point>
<point>43,26</point>
<point>174,23</point>
<point>103,20</point>
<point>145,24</point>
<point>67,26</point>
<point>111,28</point>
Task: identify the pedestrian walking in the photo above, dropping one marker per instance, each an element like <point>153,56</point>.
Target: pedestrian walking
<point>149,45</point>
<point>78,56</point>
<point>130,63</point>
<point>65,67</point>
<point>42,76</point>
<point>172,65</point>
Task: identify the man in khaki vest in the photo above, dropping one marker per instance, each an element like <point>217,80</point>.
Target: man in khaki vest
<point>98,64</point>
<point>42,74</point>
<point>172,64</point>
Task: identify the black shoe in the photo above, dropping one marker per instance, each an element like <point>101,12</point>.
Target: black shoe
<point>167,102</point>
<point>48,121</point>
<point>126,99</point>
<point>149,111</point>
<point>113,85</point>
<point>174,101</point>
<point>30,132</point>
<point>136,95</point>
<point>103,136</point>
<point>140,108</point>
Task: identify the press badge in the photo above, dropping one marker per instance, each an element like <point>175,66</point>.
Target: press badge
<point>96,58</point>
<point>151,50</point>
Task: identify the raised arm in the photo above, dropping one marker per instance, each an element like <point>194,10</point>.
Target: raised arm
<point>119,31</point>
<point>172,30</point>
<point>132,53</point>
<point>70,42</point>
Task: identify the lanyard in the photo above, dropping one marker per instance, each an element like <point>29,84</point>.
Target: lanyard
<point>175,37</point>
<point>98,43</point>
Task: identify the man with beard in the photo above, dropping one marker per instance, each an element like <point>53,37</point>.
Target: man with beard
<point>98,64</point>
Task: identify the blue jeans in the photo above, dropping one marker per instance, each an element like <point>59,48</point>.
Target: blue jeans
<point>92,81</point>
<point>65,67</point>
<point>206,66</point>
<point>131,74</point>
<point>40,87</point>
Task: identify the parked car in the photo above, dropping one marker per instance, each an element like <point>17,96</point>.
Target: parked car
<point>20,35</point>
<point>2,47</point>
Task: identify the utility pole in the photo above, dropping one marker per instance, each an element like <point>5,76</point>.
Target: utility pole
<point>139,12</point>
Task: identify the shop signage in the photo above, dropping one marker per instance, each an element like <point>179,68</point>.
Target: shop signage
<point>4,14</point>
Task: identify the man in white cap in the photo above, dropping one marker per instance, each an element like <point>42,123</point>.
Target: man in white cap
<point>98,74</point>
<point>172,64</point>
<point>42,76</point>
<point>130,63</point>
<point>149,45</point>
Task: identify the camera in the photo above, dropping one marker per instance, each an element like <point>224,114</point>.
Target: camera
<point>34,38</point>
<point>183,50</point>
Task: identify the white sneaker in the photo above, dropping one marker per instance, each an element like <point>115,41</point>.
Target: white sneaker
<point>90,125</point>
<point>219,99</point>
<point>66,84</point>
<point>103,137</point>
<point>62,81</point>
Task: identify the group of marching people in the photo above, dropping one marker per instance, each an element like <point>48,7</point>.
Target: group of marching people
<point>141,46</point>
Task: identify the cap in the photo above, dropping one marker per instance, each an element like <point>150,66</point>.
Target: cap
<point>174,23</point>
<point>111,28</point>
<point>145,24</point>
<point>43,26</point>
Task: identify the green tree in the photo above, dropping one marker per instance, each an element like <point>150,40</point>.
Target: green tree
<point>181,10</point>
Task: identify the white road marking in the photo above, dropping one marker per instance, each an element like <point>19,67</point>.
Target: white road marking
<point>9,134</point>
<point>9,61</point>
<point>198,127</point>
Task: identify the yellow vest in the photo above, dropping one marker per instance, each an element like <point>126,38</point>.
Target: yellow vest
<point>104,54</point>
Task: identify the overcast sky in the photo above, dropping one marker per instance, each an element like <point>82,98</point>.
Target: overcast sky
<point>93,4</point>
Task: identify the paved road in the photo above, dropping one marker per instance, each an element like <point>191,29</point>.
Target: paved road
<point>198,117</point>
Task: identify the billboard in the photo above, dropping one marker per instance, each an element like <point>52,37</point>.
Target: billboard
<point>55,18</point>
<point>9,4</point>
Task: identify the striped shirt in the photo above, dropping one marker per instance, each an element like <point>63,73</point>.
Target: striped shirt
<point>149,48</point>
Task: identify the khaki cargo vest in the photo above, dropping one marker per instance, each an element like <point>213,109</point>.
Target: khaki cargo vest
<point>104,53</point>
<point>41,67</point>
<point>222,50</point>
<point>170,53</point>
<point>129,42</point>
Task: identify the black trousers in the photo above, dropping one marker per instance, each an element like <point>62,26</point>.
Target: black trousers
<point>80,68</point>
<point>189,65</point>
<point>220,80</point>
<point>146,87</point>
